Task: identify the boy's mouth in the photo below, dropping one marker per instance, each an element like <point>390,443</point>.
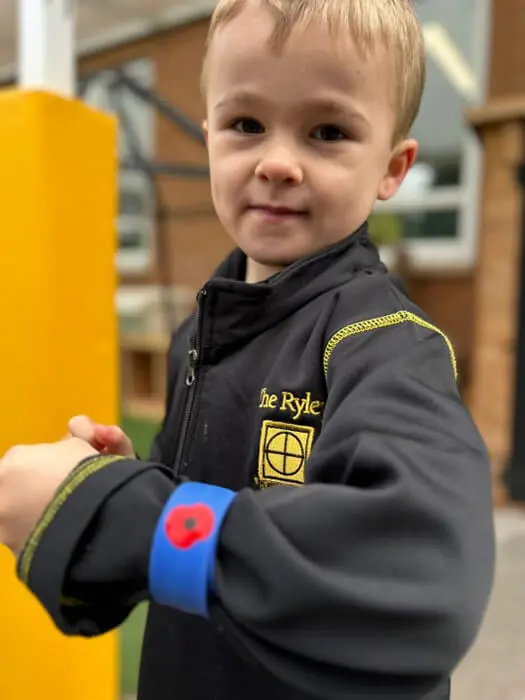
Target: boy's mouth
<point>278,212</point>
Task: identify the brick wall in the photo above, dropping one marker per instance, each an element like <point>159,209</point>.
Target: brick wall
<point>448,299</point>
<point>507,70</point>
<point>501,127</point>
<point>496,290</point>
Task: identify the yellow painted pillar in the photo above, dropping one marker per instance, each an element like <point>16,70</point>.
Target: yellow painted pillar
<point>58,345</point>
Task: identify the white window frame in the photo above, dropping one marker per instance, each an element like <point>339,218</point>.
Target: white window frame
<point>460,252</point>
<point>141,300</point>
<point>139,260</point>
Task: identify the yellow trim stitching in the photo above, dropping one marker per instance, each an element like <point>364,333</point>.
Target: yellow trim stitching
<point>76,479</point>
<point>72,602</point>
<point>374,324</point>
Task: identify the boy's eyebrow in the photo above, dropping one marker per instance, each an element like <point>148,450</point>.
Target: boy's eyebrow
<point>239,97</point>
<point>334,106</point>
<point>322,103</point>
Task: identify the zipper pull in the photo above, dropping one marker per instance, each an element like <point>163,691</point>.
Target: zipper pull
<point>191,375</point>
<point>193,354</point>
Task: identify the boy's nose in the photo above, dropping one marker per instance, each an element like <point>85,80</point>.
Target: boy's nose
<point>279,166</point>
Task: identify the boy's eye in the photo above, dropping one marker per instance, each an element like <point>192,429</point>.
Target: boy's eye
<point>329,132</point>
<point>248,126</point>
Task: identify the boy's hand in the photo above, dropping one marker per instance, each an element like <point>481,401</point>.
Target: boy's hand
<point>29,479</point>
<point>106,439</point>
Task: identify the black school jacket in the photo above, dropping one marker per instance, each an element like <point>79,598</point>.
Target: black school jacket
<point>357,558</point>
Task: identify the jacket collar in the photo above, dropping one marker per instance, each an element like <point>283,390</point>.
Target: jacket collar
<point>241,310</point>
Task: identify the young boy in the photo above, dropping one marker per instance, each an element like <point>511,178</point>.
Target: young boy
<point>315,520</point>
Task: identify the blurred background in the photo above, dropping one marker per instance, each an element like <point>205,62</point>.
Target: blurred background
<point>454,233</point>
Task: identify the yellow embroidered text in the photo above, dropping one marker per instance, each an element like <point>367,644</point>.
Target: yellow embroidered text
<point>287,402</point>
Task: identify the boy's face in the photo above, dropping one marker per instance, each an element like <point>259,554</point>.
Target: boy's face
<point>300,140</point>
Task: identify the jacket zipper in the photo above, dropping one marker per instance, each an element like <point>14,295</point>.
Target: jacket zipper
<point>192,375</point>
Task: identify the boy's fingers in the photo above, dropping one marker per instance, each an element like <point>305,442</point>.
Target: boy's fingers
<point>107,438</point>
<point>82,427</point>
<point>115,440</point>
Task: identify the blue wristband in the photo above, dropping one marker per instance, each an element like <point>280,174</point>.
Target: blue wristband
<point>184,550</point>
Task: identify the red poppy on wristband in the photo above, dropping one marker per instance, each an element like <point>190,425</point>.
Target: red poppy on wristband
<point>182,559</point>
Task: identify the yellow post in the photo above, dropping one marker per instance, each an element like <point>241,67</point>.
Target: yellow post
<point>58,347</point>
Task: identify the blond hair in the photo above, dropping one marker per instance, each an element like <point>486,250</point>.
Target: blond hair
<point>392,23</point>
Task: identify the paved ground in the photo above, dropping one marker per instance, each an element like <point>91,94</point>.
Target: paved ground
<point>495,668</point>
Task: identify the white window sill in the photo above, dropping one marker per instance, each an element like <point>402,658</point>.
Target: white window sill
<point>134,261</point>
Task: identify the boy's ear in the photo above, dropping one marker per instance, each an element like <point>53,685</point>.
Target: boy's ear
<point>402,160</point>
<point>205,129</point>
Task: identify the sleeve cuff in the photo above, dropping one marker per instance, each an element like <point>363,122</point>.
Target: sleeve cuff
<point>184,550</point>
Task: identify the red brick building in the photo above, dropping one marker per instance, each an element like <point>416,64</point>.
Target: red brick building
<point>459,213</point>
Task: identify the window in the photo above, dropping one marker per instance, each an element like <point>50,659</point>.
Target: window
<point>136,199</point>
<point>435,211</point>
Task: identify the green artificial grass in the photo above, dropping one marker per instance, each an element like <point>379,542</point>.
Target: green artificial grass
<point>132,631</point>
<point>141,434</point>
<point>131,634</point>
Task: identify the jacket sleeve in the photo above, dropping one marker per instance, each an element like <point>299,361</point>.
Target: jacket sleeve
<point>374,576</point>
